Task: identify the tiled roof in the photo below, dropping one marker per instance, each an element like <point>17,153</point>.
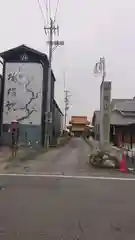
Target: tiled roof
<point>23,46</point>
<point>125,111</point>
<point>125,106</point>
<point>118,119</point>
<point>116,100</point>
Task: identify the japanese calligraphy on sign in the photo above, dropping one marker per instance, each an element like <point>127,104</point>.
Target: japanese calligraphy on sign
<point>12,92</point>
<point>12,77</point>
<point>22,93</point>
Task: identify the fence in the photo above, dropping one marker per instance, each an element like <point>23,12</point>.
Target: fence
<point>130,158</point>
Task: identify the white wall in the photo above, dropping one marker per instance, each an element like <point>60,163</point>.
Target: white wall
<point>27,85</point>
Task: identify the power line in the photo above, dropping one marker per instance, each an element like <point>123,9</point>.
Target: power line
<point>67,95</point>
<point>56,10</point>
<point>66,100</point>
<point>42,13</point>
<point>47,11</point>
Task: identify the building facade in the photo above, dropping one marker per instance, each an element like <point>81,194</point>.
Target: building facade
<point>24,95</point>
<point>57,120</point>
<point>122,123</point>
<point>78,124</point>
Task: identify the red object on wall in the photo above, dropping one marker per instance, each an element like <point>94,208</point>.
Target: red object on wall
<point>14,125</point>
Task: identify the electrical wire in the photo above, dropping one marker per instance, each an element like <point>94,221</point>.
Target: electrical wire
<point>47,12</point>
<point>41,10</point>
<point>49,9</point>
<point>58,1</point>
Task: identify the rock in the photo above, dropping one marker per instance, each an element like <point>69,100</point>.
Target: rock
<point>103,159</point>
<point>109,163</point>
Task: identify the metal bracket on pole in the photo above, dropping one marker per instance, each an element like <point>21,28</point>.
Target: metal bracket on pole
<point>49,117</point>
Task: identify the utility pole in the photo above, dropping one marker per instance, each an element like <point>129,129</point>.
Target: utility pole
<point>102,61</point>
<point>66,100</point>
<point>102,68</point>
<point>51,30</point>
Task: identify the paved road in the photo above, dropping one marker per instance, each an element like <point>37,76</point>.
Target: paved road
<point>66,209</point>
<point>66,206</point>
<point>71,159</point>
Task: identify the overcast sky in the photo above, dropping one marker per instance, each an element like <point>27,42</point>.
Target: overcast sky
<point>90,29</point>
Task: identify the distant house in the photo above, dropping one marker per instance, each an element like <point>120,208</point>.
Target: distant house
<point>122,129</point>
<point>122,123</point>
